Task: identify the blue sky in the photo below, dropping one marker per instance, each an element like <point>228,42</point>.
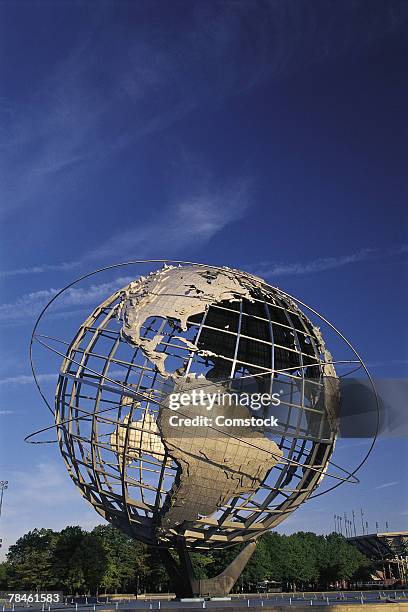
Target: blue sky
<point>269,136</point>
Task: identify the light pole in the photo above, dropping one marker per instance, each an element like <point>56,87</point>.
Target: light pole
<point>3,487</point>
<point>354,524</point>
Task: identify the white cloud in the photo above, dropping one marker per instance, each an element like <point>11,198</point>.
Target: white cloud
<point>72,122</point>
<point>25,379</point>
<point>390,363</point>
<point>72,116</point>
<point>385,485</point>
<point>193,220</point>
<point>30,304</point>
<point>342,444</point>
<point>321,264</point>
<point>40,269</point>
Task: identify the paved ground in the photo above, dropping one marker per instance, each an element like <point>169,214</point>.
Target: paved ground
<point>347,598</point>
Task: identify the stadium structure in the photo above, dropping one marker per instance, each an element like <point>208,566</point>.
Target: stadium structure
<point>389,552</point>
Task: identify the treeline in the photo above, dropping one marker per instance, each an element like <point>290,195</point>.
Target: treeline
<point>106,561</point>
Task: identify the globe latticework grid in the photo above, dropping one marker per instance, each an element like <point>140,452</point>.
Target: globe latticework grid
<point>105,381</point>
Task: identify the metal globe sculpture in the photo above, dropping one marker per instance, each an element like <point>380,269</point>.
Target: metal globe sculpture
<point>179,329</point>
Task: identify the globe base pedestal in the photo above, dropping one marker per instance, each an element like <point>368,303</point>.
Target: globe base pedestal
<point>184,582</point>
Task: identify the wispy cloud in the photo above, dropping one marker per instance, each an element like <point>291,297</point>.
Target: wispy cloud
<point>124,80</point>
<point>391,363</point>
<point>58,133</point>
<point>193,220</point>
<point>6,412</point>
<point>40,269</point>
<point>321,264</point>
<point>385,485</point>
<point>27,379</point>
<point>24,379</point>
<point>74,123</point>
<point>30,304</point>
<point>342,445</point>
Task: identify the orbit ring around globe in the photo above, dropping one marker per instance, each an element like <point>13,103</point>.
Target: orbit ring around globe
<point>184,327</point>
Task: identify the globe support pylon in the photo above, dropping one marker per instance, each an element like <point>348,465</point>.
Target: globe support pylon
<point>185,584</point>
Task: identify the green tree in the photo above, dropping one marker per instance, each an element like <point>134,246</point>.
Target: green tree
<point>157,579</point>
<point>4,575</point>
<point>201,563</point>
<point>277,547</point>
<point>68,572</point>
<point>340,561</point>
<point>299,567</point>
<point>219,559</point>
<point>126,560</point>
<point>90,558</point>
<point>259,566</point>
<point>30,560</point>
<point>77,561</point>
